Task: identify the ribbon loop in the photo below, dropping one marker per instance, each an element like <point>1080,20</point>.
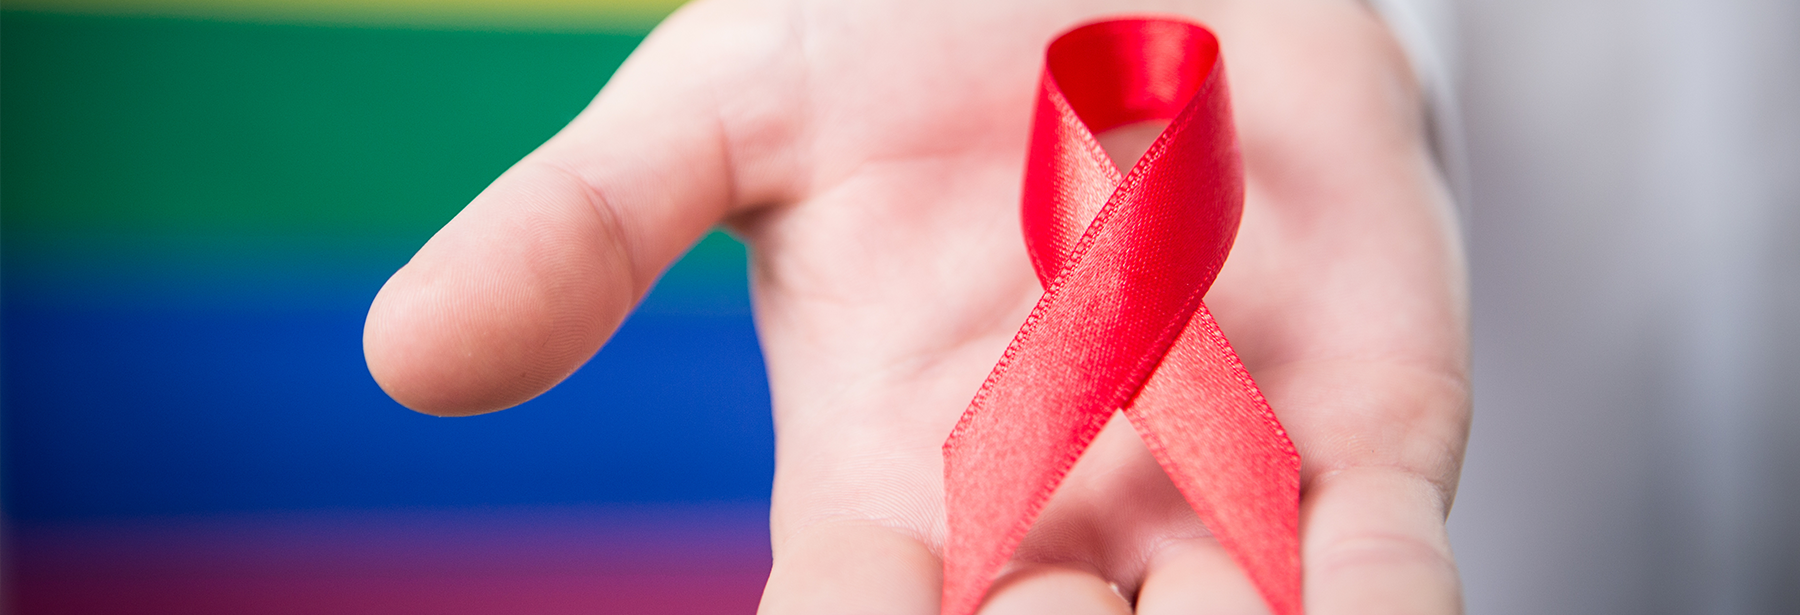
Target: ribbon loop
<point>1121,326</point>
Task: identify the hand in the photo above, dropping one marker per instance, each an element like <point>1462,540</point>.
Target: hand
<point>871,156</point>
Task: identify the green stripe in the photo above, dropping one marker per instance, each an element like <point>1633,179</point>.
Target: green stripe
<point>142,152</point>
<point>177,127</point>
<point>606,15</point>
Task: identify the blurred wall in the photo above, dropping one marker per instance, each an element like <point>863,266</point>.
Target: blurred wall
<point>1635,246</point>
<point>196,215</point>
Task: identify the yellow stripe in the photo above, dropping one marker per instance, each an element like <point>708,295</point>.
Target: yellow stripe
<point>636,15</point>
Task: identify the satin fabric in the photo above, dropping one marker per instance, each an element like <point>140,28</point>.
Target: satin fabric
<point>1125,261</point>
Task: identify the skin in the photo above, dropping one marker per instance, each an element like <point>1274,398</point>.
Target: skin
<point>871,155</point>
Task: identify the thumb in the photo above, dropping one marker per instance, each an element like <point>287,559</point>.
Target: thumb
<point>531,278</point>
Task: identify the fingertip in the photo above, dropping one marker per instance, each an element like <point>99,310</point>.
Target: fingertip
<point>1054,589</point>
<point>503,303</point>
<point>852,568</point>
<point>1197,575</point>
<point>1375,543</point>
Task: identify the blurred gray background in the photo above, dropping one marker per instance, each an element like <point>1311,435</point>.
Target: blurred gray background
<point>1634,223</point>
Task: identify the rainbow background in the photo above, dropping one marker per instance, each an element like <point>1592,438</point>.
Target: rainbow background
<point>200,198</point>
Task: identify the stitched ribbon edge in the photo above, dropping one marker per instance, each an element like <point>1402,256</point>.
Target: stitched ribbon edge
<point>963,593</point>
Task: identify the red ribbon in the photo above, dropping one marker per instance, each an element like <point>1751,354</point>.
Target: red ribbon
<point>1121,326</point>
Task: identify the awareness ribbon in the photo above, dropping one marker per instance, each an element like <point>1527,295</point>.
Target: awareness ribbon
<point>1121,326</point>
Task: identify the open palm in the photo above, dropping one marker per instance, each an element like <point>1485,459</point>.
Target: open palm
<point>871,155</point>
